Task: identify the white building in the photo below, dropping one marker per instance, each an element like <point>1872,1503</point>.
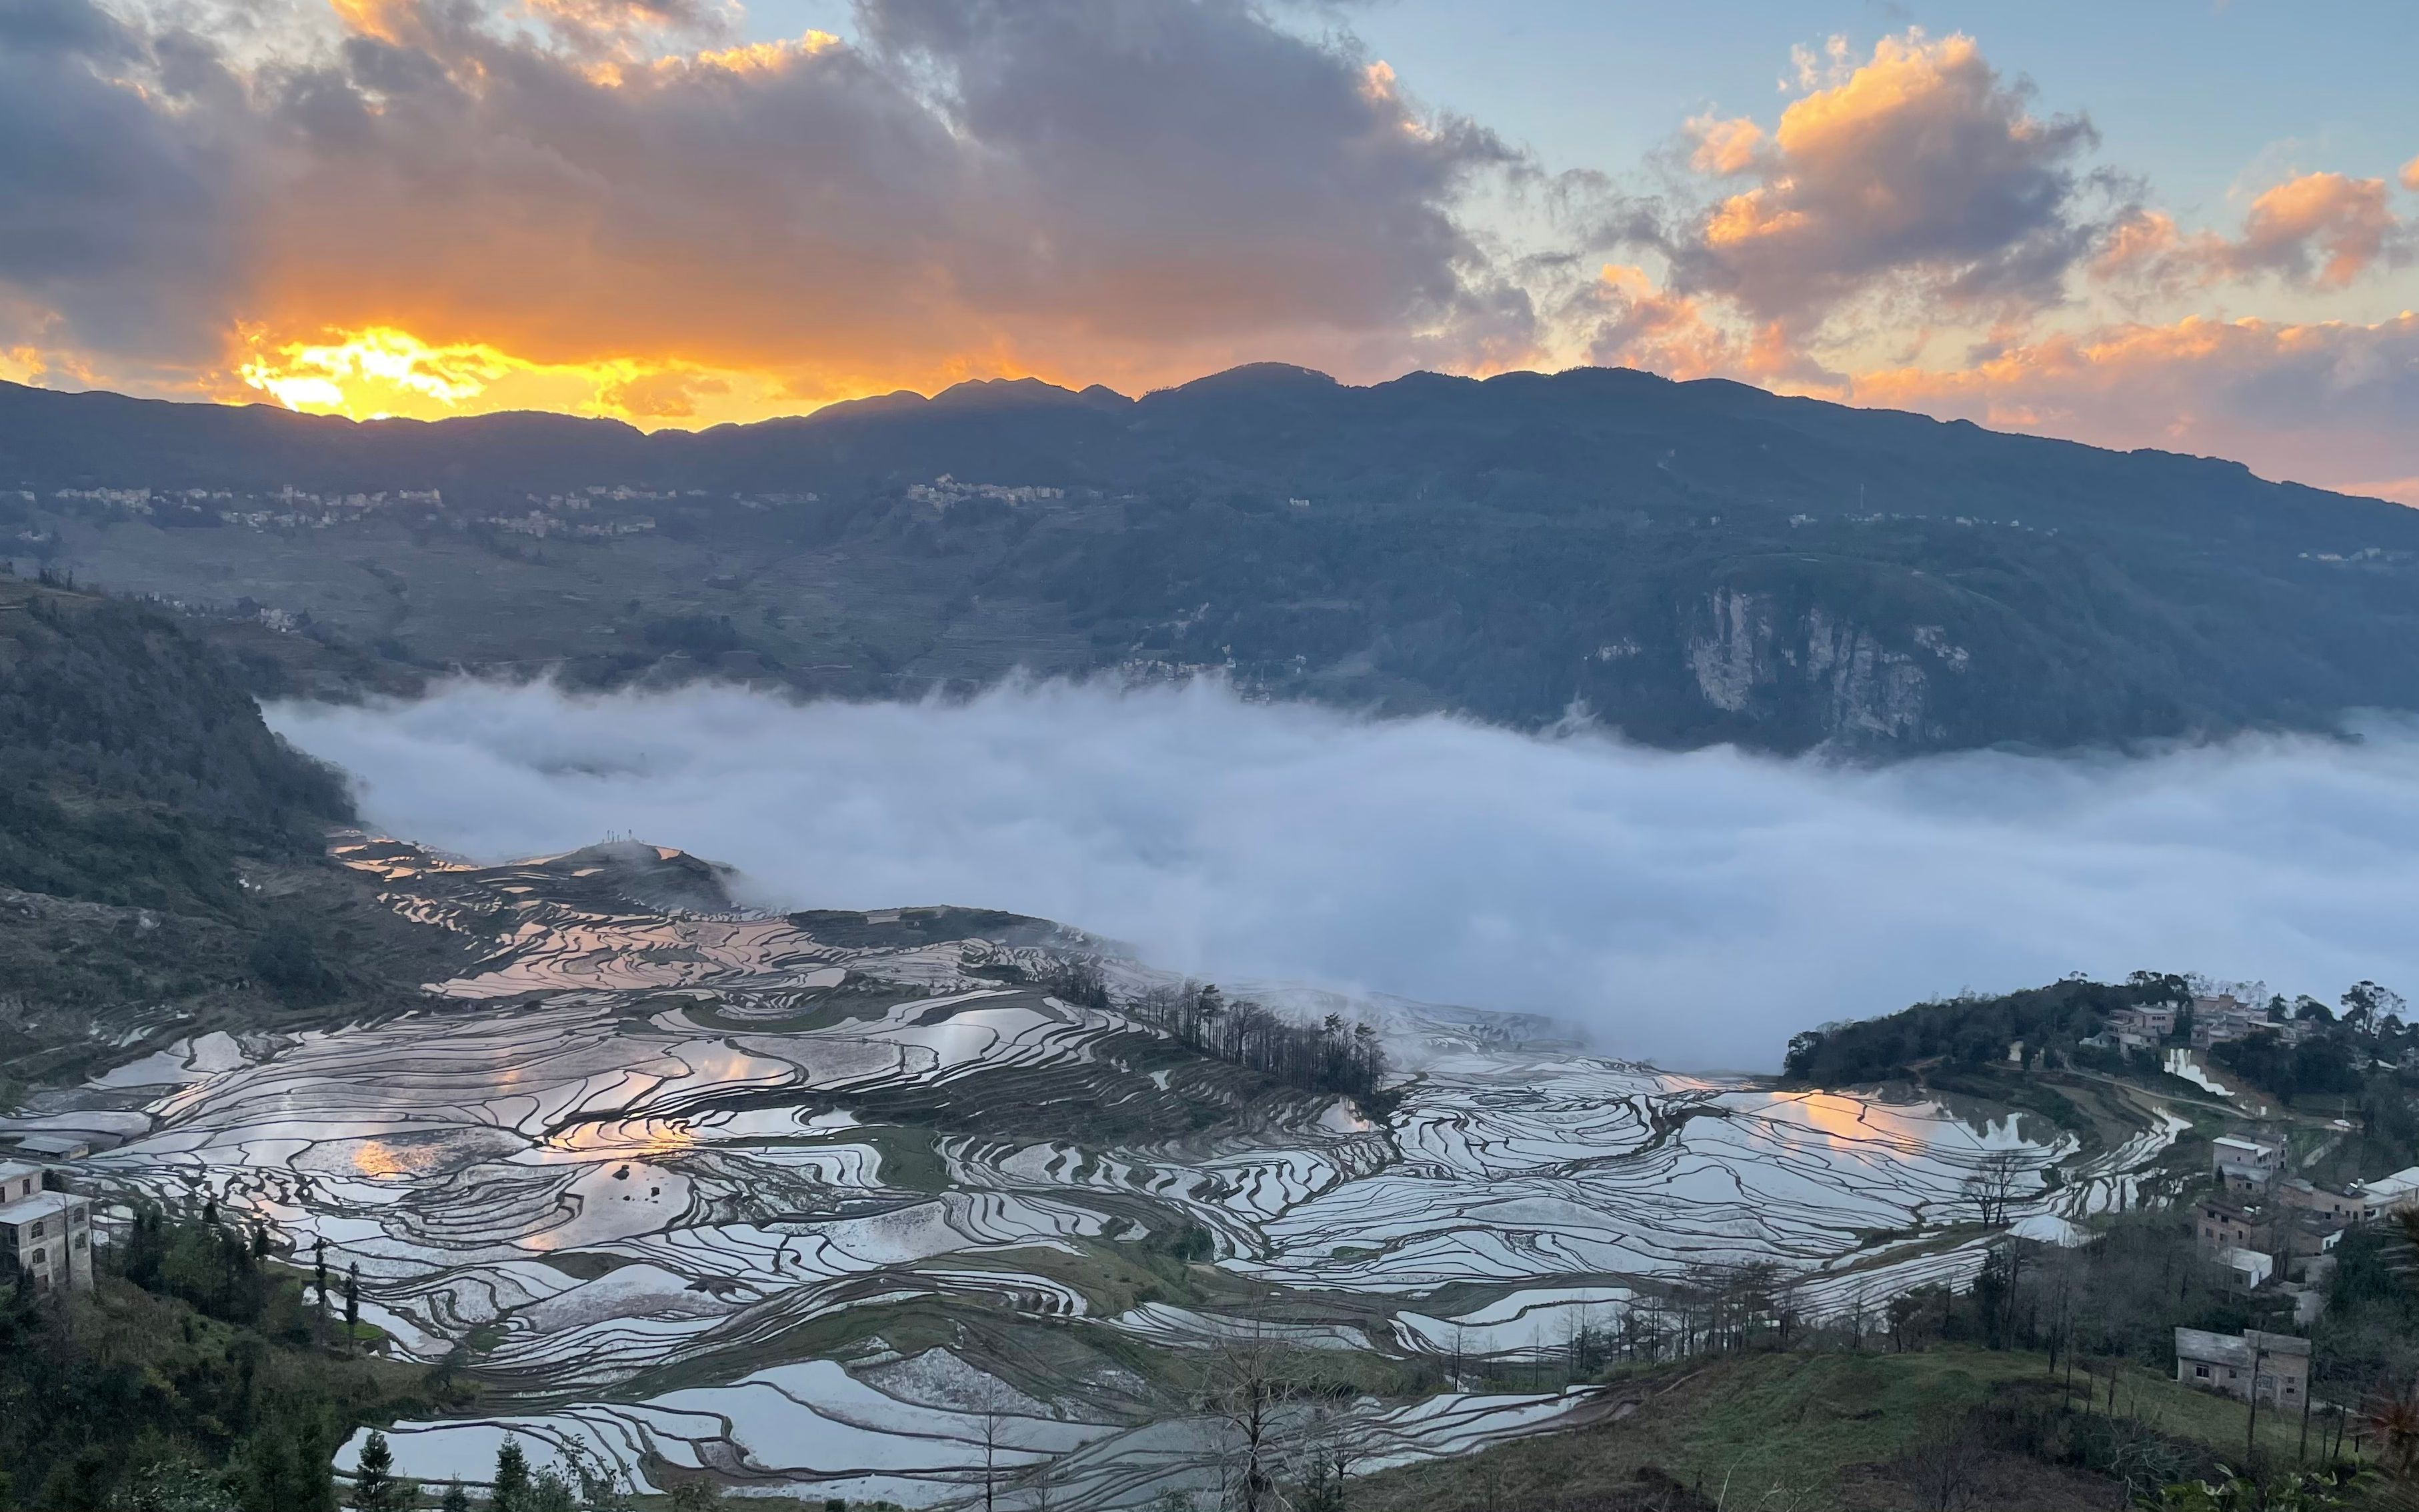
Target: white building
<point>2388,1195</point>
<point>2245,1162</point>
<point>2252,1269</point>
<point>44,1236</point>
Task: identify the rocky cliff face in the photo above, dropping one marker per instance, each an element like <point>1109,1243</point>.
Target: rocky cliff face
<point>1757,657</point>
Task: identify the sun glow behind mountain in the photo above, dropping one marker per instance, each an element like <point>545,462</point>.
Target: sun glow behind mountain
<point>375,372</point>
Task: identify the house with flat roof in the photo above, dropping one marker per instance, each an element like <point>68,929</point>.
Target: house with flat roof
<point>53,1146</point>
<point>2389,1195</point>
<point>2274,1366</point>
<point>45,1237</point>
<point>2232,1156</point>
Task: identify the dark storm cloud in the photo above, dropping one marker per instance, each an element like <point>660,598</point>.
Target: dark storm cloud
<point>1055,184</point>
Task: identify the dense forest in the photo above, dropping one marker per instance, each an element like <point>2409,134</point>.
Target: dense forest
<point>1689,563</point>
<point>139,769</point>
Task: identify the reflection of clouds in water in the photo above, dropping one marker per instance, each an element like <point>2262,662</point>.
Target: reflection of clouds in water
<point>1696,906</point>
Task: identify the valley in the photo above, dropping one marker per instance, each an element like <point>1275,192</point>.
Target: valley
<point>854,1205</point>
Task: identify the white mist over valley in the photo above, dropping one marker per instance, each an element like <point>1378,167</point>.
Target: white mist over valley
<point>1690,908</point>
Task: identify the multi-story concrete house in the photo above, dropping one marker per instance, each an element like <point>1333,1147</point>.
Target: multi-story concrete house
<point>45,1237</point>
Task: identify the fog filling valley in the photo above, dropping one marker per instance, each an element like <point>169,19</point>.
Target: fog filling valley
<point>1691,908</point>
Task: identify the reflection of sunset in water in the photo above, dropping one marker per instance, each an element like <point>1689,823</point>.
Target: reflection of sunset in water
<point>378,1160</point>
<point>1868,1130</point>
<point>643,1138</point>
<point>1843,1118</point>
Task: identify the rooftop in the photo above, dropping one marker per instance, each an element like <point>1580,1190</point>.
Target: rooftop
<point>2392,1186</point>
<point>41,1205</point>
<point>41,1144</point>
<point>2235,1350</point>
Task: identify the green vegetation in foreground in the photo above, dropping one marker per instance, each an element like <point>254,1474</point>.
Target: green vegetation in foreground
<point>199,1374</point>
<point>1851,1430</point>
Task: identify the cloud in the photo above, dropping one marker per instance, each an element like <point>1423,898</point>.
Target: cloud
<point>2320,229</point>
<point>123,184</point>
<point>2318,216</point>
<point>1921,172</point>
<point>1068,187</point>
<point>1696,908</point>
<point>2329,403</point>
<point>2410,175</point>
<point>1627,321</point>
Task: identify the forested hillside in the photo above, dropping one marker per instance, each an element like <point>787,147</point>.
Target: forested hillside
<point>162,853</point>
<point>1690,561</point>
<point>139,767</point>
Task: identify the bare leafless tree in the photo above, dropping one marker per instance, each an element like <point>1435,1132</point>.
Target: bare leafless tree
<point>1992,1187</point>
<point>1248,1387</point>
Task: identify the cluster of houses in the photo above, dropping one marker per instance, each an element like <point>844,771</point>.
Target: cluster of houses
<point>2215,1020</point>
<point>2270,1228</point>
<point>2261,1222</point>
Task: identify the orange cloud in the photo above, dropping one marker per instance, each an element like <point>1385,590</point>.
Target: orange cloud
<point>1916,172</point>
<point>2410,175</point>
<point>2324,403</point>
<point>2323,229</point>
<point>1725,147</point>
<point>1627,321</point>
<point>574,207</point>
<point>2345,221</point>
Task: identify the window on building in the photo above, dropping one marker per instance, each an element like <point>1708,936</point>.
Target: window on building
<point>2201,1370</point>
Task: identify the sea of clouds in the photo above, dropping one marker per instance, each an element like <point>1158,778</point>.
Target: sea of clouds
<point>1694,908</point>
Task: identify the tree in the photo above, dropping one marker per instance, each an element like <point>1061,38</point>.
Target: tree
<point>1993,1186</point>
<point>511,1484</point>
<point>1248,1387</point>
<point>454,1499</point>
<point>353,1300</point>
<point>697,1495</point>
<point>375,1485</point>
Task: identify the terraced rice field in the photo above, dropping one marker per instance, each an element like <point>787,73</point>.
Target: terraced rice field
<point>831,1204</point>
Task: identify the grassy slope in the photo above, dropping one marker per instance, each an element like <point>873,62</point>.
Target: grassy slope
<point>1809,1426</point>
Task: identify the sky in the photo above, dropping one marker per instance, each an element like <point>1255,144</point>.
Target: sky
<point>2185,224</point>
<point>1694,908</point>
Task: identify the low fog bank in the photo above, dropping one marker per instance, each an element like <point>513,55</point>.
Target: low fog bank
<point>1693,908</point>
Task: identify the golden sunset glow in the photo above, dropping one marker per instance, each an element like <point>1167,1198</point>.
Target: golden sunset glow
<point>743,58</point>
<point>380,371</point>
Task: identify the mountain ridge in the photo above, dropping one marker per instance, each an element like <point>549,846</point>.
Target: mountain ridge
<point>1694,563</point>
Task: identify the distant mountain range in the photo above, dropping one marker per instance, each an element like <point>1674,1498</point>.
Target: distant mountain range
<point>1689,563</point>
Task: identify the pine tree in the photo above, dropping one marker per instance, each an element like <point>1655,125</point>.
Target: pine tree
<point>374,1475</point>
<point>353,1300</point>
<point>268,1477</point>
<point>456,1499</point>
<point>315,1470</point>
<point>511,1493</point>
